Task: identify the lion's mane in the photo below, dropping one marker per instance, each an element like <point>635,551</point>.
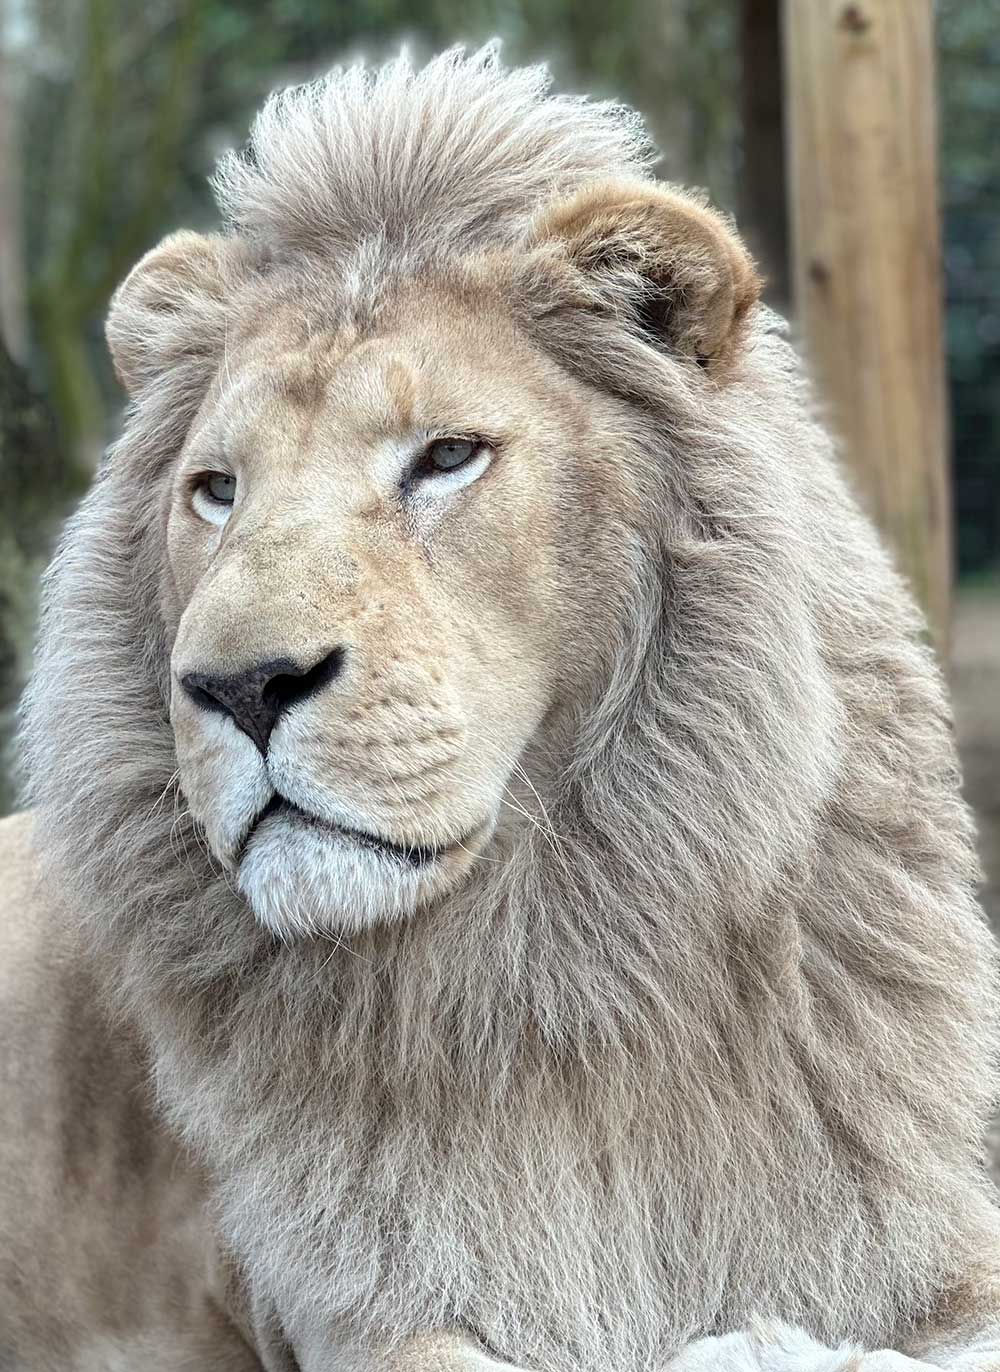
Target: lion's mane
<point>716,1036</point>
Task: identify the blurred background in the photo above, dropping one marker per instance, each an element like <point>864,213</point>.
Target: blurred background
<point>112,115</point>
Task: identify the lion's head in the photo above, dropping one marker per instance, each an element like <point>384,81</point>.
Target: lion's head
<point>394,533</point>
<point>495,759</point>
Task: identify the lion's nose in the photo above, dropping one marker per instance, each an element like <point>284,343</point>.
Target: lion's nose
<point>256,698</point>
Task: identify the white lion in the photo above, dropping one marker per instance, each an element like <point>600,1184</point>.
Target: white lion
<point>484,760</point>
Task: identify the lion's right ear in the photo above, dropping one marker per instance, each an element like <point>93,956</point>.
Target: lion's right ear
<point>168,309</point>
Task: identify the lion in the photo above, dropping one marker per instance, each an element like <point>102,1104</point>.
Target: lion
<point>497,894</point>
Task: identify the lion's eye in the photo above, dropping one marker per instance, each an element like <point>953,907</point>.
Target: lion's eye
<point>445,454</point>
<point>446,465</point>
<point>220,486</point>
<point>212,496</point>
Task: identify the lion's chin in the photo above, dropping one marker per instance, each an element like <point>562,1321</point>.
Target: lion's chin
<point>303,878</point>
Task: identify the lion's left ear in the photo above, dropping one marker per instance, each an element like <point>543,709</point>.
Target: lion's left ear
<point>661,256</point>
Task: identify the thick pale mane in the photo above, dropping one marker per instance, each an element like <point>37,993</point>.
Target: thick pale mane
<point>454,154</point>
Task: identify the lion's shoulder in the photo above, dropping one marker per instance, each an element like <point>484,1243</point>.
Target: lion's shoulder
<point>40,953</point>
<point>24,911</point>
<point>89,1177</point>
<point>18,871</point>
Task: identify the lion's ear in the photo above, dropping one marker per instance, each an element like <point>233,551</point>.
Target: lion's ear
<point>660,256</point>
<point>168,307</point>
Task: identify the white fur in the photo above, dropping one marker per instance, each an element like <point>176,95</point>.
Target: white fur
<point>299,880</point>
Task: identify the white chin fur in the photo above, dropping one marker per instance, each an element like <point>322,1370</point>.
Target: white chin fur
<point>301,880</point>
<point>224,781</point>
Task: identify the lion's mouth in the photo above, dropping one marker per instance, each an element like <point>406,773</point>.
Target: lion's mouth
<point>412,855</point>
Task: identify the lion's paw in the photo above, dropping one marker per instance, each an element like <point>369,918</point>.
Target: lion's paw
<point>771,1346</point>
<point>446,1353</point>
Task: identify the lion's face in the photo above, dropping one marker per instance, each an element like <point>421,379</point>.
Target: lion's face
<point>377,558</point>
<point>400,537</point>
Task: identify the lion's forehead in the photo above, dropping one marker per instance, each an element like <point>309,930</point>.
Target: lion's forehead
<point>284,394</point>
<point>428,364</point>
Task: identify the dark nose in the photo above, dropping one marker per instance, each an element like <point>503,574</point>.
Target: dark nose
<point>256,699</point>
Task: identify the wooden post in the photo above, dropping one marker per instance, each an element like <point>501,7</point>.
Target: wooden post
<point>860,113</point>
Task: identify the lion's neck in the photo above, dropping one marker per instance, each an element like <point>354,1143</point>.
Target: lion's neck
<point>588,1139</point>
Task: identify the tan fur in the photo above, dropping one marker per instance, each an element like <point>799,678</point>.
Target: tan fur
<point>700,276</point>
<point>681,1047</point>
